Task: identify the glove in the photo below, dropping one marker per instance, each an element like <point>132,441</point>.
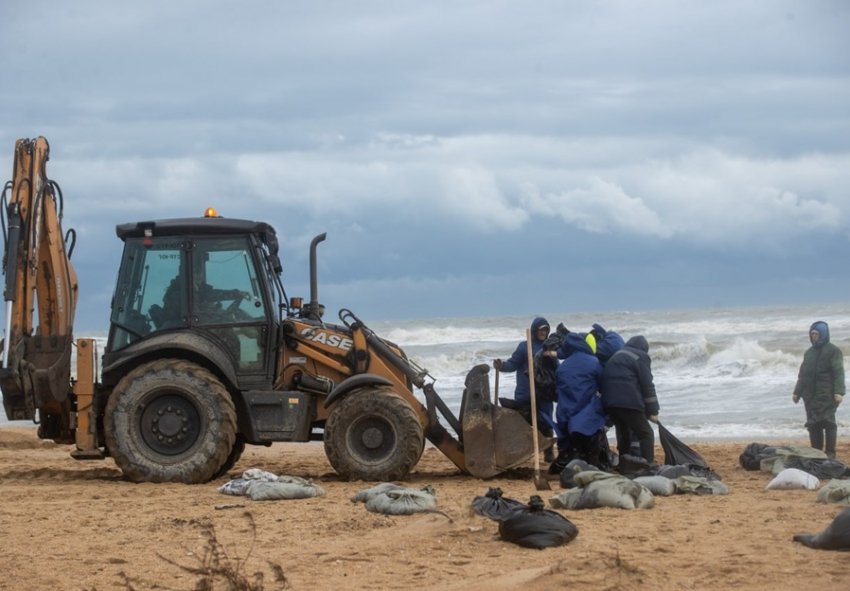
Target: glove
<point>653,419</point>
<point>497,364</point>
<point>795,398</point>
<point>838,398</point>
<point>562,330</point>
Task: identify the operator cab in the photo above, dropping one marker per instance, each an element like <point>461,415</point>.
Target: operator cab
<point>210,275</point>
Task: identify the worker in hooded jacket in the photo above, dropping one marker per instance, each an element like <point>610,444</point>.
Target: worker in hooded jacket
<point>821,386</point>
<point>518,362</point>
<point>580,417</point>
<point>629,397</point>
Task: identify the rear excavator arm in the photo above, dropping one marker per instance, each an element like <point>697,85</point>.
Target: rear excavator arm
<point>36,358</point>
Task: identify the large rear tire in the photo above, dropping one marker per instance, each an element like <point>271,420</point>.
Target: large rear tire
<point>170,421</point>
<point>373,435</point>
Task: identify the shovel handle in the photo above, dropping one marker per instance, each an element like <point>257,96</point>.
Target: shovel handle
<point>533,399</point>
<point>496,394</point>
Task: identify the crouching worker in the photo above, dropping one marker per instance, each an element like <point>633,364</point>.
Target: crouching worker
<point>580,416</point>
<point>518,362</point>
<point>629,398</point>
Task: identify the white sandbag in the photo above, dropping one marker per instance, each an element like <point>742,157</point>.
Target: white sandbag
<point>835,492</point>
<point>660,486</point>
<point>567,499</point>
<point>403,501</point>
<point>235,487</point>
<point>258,474</point>
<point>365,495</point>
<point>260,490</point>
<point>793,479</point>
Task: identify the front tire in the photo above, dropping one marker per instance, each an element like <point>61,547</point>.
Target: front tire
<point>373,435</point>
<point>170,421</point>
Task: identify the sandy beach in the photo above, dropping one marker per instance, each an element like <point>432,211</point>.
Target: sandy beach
<point>67,524</point>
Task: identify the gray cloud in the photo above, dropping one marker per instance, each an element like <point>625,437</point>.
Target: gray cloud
<point>493,155</point>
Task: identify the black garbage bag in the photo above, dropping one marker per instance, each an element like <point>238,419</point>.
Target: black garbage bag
<point>676,452</point>
<point>537,527</point>
<point>835,537</point>
<point>545,367</point>
<point>820,468</point>
<point>495,506</point>
<point>754,453</point>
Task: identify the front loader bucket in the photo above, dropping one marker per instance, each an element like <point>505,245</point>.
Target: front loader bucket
<point>495,439</point>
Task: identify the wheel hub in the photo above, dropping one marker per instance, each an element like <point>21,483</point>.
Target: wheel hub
<point>169,425</point>
<point>373,438</point>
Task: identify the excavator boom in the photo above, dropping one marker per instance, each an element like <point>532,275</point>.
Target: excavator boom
<point>36,351</point>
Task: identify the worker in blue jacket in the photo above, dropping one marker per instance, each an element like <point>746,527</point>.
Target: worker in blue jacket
<point>518,362</point>
<point>579,415</point>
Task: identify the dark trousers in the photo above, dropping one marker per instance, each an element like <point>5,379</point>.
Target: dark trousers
<point>628,421</point>
<point>824,431</point>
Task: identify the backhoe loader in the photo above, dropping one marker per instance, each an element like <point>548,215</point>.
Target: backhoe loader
<point>206,354</point>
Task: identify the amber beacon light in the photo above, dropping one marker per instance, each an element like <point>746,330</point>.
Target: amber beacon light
<point>211,213</point>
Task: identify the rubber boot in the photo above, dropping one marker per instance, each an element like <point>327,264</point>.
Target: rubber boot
<point>816,436</point>
<point>831,440</point>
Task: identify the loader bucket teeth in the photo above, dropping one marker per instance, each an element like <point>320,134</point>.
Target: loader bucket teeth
<point>495,439</point>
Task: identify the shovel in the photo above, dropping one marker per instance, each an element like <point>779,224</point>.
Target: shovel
<point>540,483</point>
<point>496,395</point>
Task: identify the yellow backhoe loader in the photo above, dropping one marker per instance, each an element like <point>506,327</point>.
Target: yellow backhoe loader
<point>206,354</point>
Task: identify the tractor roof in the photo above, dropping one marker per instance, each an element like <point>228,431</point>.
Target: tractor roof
<point>198,226</point>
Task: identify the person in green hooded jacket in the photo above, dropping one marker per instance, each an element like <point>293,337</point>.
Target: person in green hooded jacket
<point>821,386</point>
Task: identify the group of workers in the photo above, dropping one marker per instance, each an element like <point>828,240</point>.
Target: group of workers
<point>600,381</point>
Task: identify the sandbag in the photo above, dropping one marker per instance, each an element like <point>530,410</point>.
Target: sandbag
<point>239,486</point>
<point>659,486</point>
<point>261,490</point>
<point>823,468</point>
<point>675,451</point>
<point>234,487</point>
<point>601,489</point>
<point>793,479</point>
<point>495,506</point>
<point>537,527</point>
<point>365,495</point>
<point>571,469</point>
<point>700,486</point>
<point>673,472</point>
<point>404,501</point>
<point>835,537</point>
<point>835,492</point>
<point>258,474</point>
<point>787,454</point>
<point>754,453</point>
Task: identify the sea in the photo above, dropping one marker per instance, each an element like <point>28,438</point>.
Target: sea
<point>720,373</point>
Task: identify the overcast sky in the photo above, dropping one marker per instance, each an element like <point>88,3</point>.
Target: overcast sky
<point>464,158</point>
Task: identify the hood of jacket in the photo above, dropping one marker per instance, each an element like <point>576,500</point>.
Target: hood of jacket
<point>638,342</point>
<point>822,328</point>
<point>537,323</point>
<point>577,342</point>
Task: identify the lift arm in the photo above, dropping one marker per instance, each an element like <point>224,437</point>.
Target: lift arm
<point>36,358</point>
